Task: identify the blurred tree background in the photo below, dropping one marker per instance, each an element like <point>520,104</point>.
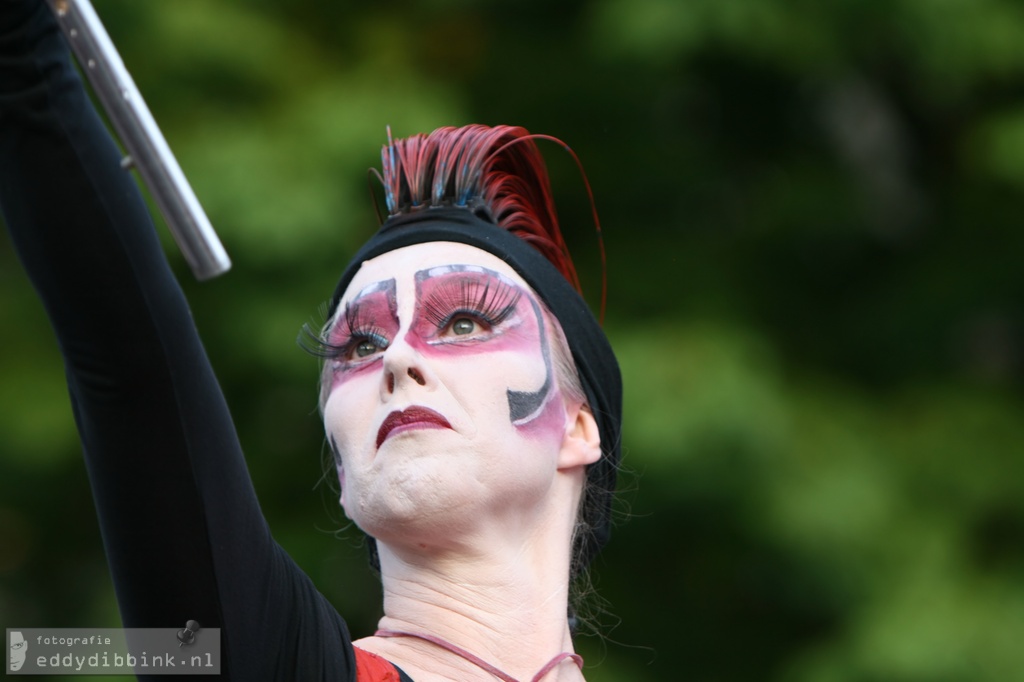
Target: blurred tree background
<point>816,293</point>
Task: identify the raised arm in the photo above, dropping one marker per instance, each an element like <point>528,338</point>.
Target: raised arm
<point>170,484</point>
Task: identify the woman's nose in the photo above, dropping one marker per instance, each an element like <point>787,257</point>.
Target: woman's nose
<point>402,365</point>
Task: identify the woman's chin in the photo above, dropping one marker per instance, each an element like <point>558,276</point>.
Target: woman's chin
<point>415,505</point>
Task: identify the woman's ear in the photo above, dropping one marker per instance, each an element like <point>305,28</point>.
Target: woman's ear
<point>581,444</point>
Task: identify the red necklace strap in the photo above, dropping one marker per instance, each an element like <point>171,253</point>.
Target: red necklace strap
<point>479,662</point>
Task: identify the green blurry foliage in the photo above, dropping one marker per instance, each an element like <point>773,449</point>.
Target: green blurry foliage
<point>811,212</point>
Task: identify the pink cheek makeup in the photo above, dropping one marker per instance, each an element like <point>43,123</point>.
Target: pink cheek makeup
<point>525,406</point>
<point>548,422</point>
<point>506,318</point>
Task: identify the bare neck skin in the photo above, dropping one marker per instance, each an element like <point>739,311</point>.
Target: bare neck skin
<point>504,601</point>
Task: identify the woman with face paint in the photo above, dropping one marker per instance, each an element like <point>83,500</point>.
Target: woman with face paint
<point>470,398</point>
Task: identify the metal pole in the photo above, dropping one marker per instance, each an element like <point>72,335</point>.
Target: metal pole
<point>147,150</point>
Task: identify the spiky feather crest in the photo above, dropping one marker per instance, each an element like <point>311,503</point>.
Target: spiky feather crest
<point>497,172</point>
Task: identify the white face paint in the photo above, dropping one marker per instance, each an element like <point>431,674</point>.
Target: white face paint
<point>442,403</point>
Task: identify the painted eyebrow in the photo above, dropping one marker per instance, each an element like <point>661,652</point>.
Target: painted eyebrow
<point>491,288</point>
<point>351,310</point>
<point>441,270</point>
<point>373,288</point>
<point>385,286</point>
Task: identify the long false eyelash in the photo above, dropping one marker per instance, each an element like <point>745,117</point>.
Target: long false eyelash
<point>314,343</point>
<point>356,328</point>
<point>359,325</point>
<point>492,302</point>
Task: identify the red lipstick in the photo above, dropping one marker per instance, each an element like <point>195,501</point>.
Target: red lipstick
<point>410,418</point>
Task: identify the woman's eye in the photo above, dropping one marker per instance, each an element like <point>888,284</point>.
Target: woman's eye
<point>463,325</point>
<point>365,348</point>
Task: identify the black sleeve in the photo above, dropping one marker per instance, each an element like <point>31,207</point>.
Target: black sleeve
<point>169,480</point>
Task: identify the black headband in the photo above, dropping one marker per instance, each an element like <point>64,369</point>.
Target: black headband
<point>595,361</point>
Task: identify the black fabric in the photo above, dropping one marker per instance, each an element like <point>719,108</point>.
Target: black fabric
<point>595,360</point>
<point>183,531</point>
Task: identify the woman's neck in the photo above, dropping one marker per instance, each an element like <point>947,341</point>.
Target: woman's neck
<point>509,610</point>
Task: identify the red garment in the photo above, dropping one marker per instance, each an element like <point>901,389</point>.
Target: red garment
<point>373,668</point>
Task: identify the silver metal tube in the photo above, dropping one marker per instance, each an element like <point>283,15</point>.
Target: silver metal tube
<point>147,149</point>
